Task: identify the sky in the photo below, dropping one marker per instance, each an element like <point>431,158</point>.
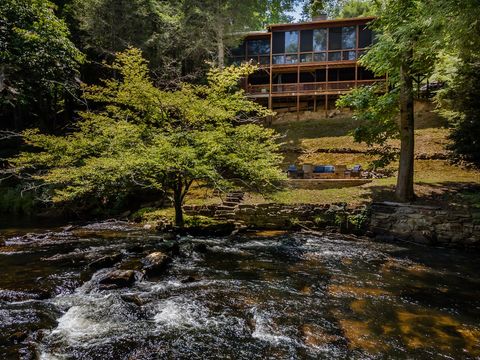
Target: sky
<point>297,13</point>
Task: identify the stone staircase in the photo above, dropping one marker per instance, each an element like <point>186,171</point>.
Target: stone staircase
<point>226,211</point>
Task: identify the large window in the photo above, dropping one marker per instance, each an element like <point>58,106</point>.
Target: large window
<point>349,37</point>
<point>291,41</point>
<point>319,40</point>
<point>365,37</point>
<point>285,47</point>
<point>335,38</point>
<point>258,47</point>
<point>319,45</point>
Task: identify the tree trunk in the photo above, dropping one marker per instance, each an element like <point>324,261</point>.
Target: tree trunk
<point>220,46</point>
<point>404,190</point>
<point>177,203</point>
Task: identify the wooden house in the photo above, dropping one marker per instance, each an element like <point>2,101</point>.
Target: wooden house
<point>306,66</point>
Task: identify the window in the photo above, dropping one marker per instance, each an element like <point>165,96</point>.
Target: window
<point>278,42</point>
<point>306,40</point>
<point>349,55</point>
<point>335,38</point>
<point>349,37</point>
<point>291,41</point>
<point>278,59</point>
<point>291,59</point>
<point>365,37</point>
<point>258,47</point>
<point>306,58</point>
<point>319,57</point>
<point>335,56</point>
<point>320,39</point>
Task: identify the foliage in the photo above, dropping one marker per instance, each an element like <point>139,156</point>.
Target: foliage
<point>194,221</point>
<point>461,107</point>
<point>376,117</point>
<point>143,137</point>
<point>37,59</point>
<point>357,8</point>
<point>15,201</point>
<point>338,8</point>
<point>106,27</point>
<point>459,71</point>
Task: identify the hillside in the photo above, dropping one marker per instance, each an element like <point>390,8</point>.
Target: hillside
<point>328,141</point>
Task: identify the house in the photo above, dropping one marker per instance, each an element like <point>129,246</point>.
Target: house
<point>306,66</point>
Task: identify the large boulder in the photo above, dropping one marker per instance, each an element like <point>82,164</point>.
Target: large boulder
<point>155,263</point>
<point>117,279</point>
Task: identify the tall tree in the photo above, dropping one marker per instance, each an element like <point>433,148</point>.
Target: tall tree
<point>222,22</point>
<point>142,137</point>
<point>458,101</point>
<point>404,49</point>
<point>155,26</point>
<point>38,63</point>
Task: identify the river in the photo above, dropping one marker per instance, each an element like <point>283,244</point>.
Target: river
<point>265,295</point>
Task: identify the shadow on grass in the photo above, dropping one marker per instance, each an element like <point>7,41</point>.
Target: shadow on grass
<point>441,194</point>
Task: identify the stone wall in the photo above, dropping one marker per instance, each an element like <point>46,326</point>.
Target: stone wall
<point>283,216</point>
<point>457,226</point>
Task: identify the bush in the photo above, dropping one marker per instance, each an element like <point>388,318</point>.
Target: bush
<point>13,201</point>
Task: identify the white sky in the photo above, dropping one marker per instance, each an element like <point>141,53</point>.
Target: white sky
<point>297,13</point>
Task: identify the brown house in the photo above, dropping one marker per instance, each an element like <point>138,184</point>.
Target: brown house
<point>306,66</point>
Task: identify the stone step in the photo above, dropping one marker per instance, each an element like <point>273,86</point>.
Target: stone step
<point>230,203</point>
<point>223,207</point>
<point>223,211</point>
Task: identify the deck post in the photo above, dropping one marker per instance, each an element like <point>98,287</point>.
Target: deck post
<point>298,92</point>
<point>326,105</point>
<point>270,100</point>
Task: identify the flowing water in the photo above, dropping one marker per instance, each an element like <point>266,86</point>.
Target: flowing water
<point>261,296</point>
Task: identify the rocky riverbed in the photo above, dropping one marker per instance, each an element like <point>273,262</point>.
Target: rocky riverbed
<point>115,291</point>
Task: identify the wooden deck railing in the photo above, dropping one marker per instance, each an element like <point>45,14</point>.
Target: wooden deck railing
<point>311,88</point>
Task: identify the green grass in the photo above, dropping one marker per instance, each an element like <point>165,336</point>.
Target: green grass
<point>435,180</point>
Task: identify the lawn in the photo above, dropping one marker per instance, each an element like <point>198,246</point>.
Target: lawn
<point>328,141</point>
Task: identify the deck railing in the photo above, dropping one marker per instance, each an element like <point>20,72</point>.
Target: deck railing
<point>311,88</point>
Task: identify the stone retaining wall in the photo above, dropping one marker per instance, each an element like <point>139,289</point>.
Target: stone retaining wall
<point>283,216</point>
<point>454,227</point>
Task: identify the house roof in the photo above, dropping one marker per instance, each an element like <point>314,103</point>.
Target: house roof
<point>321,23</point>
<point>305,26</point>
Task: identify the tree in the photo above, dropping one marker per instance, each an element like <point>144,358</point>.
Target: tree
<point>222,23</point>
<point>404,49</point>
<point>106,27</point>
<point>38,63</point>
<point>146,138</point>
<point>459,71</point>
<point>375,113</point>
<point>357,8</point>
<point>460,105</point>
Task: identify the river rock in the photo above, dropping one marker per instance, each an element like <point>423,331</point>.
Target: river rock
<point>155,263</point>
<point>133,299</point>
<point>18,336</point>
<point>117,279</point>
<point>105,261</point>
<point>189,279</point>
